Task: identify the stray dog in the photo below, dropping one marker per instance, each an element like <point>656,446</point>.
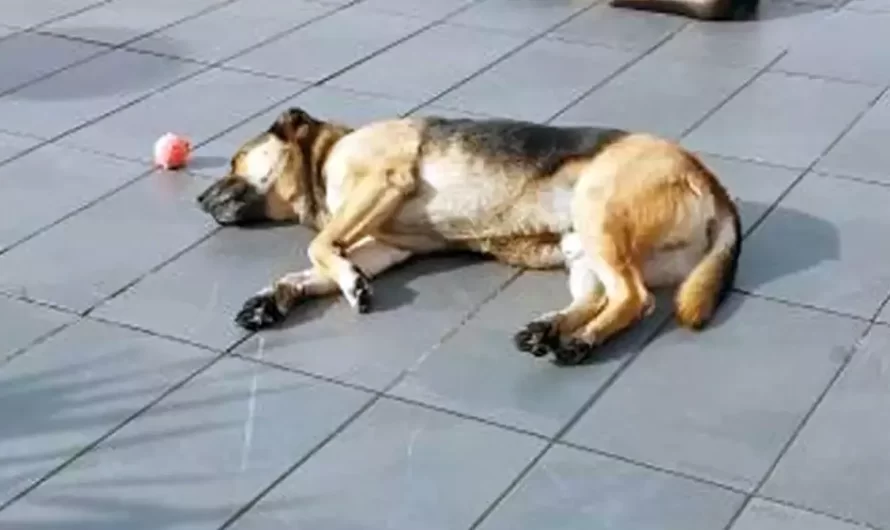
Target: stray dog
<point>622,212</point>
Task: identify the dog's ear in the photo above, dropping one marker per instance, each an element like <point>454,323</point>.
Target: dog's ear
<point>293,125</point>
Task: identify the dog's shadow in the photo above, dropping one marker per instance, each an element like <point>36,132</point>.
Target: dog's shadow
<point>393,289</point>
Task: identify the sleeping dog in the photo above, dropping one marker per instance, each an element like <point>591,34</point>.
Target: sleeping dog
<point>623,212</point>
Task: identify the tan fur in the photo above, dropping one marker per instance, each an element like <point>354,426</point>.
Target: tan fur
<point>636,212</point>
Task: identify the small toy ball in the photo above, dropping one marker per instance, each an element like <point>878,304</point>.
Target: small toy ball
<point>171,151</point>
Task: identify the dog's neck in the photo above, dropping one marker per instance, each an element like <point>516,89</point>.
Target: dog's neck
<point>316,150</point>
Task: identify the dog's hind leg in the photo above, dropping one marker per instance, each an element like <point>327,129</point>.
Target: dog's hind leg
<point>271,305</point>
<point>542,335</point>
<point>375,198</point>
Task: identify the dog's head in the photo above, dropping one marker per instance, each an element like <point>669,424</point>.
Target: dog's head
<point>269,177</point>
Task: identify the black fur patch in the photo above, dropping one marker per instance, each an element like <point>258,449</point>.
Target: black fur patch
<point>544,148</point>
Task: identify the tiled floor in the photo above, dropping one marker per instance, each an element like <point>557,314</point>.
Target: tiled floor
<point>129,399</point>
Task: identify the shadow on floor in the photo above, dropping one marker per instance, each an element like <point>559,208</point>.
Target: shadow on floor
<point>117,79</point>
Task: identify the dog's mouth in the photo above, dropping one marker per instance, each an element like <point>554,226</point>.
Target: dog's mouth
<point>232,201</point>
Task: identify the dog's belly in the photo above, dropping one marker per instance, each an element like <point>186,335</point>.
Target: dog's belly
<point>470,201</point>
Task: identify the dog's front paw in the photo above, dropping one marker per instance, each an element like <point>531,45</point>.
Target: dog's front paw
<point>537,338</point>
<point>259,311</point>
<point>359,293</point>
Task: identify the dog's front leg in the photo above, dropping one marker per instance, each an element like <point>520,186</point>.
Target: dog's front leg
<point>372,202</point>
<point>271,305</point>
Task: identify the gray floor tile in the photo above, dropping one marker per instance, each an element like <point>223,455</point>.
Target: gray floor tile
<point>765,515</point>
<point>526,17</point>
<point>756,187</point>
<point>71,389</point>
<point>23,323</point>
<point>869,5</point>
<point>124,20</point>
<point>427,64</point>
<point>197,108</point>
<point>398,467</point>
<point>435,110</point>
<point>570,490</point>
<point>12,145</point>
<point>27,56</point>
<point>823,246</point>
<point>324,103</point>
<point>861,58</point>
<point>167,470</point>
<point>769,120</point>
<point>721,404</point>
<point>199,38</point>
<point>68,99</point>
<point>426,10</point>
<point>42,11</point>
<point>751,44</point>
<point>90,256</point>
<point>538,81</point>
<point>197,296</point>
<point>862,151</point>
<point>839,463</point>
<point>620,28</point>
<point>687,91</point>
<point>479,372</point>
<point>415,307</point>
<point>329,45</point>
<point>51,182</point>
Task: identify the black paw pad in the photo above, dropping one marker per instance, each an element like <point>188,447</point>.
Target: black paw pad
<point>573,352</point>
<point>361,291</point>
<point>535,338</point>
<point>258,312</point>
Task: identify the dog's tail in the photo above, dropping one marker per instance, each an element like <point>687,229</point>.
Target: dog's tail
<point>710,282</point>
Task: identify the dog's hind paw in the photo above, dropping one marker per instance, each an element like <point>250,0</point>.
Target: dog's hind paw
<point>360,294</point>
<point>259,311</point>
<point>573,352</point>
<point>536,338</point>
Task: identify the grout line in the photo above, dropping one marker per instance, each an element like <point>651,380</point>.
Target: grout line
<point>856,119</point>
<point>36,342</point>
<point>523,45</point>
<point>239,513</point>
<point>107,47</point>
<point>851,178</point>
<point>757,75</point>
<point>817,77</point>
<point>95,443</point>
<point>627,66</point>
<point>820,513</point>
<point>797,431</point>
<point>57,18</point>
<point>800,305</point>
<point>653,467</point>
<point>571,423</point>
<point>152,333</point>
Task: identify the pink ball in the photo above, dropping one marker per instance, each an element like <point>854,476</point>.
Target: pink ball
<point>171,151</point>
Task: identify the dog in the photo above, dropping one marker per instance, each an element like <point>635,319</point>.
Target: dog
<point>622,212</point>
